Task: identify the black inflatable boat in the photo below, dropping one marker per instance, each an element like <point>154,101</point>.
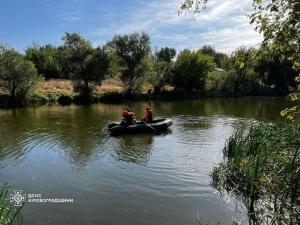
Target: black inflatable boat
<point>140,127</point>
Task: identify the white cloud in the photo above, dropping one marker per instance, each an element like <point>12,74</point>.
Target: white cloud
<point>223,24</point>
<point>176,37</point>
<point>70,11</point>
<point>228,39</point>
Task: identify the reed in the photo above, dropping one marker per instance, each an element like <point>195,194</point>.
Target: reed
<point>9,215</point>
<point>262,167</point>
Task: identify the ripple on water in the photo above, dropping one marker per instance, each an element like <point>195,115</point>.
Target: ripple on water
<point>135,149</point>
<point>128,173</point>
<point>191,130</point>
<point>16,145</point>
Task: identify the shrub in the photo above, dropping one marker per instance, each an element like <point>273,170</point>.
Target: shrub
<point>230,84</point>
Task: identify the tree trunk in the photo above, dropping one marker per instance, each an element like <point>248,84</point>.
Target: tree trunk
<point>13,92</point>
<point>86,85</point>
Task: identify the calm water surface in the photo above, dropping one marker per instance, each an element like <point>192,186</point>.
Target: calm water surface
<point>66,152</point>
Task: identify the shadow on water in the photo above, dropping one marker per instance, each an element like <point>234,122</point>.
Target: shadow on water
<point>135,148</point>
<point>250,107</point>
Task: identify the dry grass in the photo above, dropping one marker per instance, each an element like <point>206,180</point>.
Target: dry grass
<point>168,87</point>
<point>65,87</point>
<point>113,84</point>
<point>56,87</point>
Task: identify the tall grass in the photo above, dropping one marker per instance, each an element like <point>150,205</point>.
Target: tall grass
<point>262,167</point>
<point>9,215</point>
<point>60,86</point>
<point>113,84</point>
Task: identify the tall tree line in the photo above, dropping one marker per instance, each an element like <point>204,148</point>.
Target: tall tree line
<point>246,71</point>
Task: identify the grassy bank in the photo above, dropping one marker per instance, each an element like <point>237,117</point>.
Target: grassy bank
<point>111,90</point>
<point>61,91</point>
<point>262,167</point>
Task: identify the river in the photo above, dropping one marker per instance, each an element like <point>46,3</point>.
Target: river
<point>66,152</point>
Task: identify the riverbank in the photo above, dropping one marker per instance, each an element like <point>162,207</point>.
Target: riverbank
<point>262,169</point>
<point>61,91</point>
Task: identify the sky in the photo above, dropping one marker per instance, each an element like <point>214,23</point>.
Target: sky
<point>223,24</point>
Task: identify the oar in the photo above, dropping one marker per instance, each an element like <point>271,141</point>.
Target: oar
<point>147,124</point>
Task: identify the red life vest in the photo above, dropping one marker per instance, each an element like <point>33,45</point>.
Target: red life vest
<point>148,115</point>
<point>125,113</point>
<point>130,115</point>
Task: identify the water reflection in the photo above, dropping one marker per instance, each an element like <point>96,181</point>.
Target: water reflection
<point>135,149</point>
<point>80,132</point>
<point>188,123</point>
<point>258,108</point>
<point>142,179</point>
<point>76,131</point>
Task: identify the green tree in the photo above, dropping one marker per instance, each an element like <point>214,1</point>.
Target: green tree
<point>165,54</point>
<point>221,59</point>
<point>159,75</point>
<point>115,63</point>
<point>73,53</point>
<point>86,65</point>
<point>272,71</point>
<point>242,62</point>
<point>45,58</point>
<point>162,68</point>
<point>18,76</point>
<point>208,50</point>
<point>195,5</point>
<point>133,51</point>
<point>191,69</point>
<point>239,79</point>
<point>278,21</point>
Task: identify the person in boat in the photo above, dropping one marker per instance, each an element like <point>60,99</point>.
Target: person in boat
<point>125,114</point>
<point>128,117</point>
<point>148,115</point>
